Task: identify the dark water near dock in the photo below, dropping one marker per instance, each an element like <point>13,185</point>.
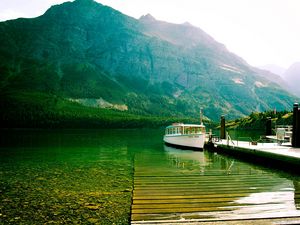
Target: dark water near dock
<point>87,176</point>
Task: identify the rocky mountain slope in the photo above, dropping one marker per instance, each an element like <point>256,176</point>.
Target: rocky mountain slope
<point>92,54</point>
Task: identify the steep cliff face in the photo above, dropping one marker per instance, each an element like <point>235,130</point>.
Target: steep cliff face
<point>83,49</point>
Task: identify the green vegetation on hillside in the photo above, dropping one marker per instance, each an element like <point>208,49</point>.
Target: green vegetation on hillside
<point>39,110</point>
<point>85,50</point>
<point>257,120</point>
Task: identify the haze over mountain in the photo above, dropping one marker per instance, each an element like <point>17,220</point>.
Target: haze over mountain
<point>274,69</point>
<point>94,55</point>
<point>292,77</point>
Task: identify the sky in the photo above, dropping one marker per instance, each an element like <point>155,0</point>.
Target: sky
<point>260,31</point>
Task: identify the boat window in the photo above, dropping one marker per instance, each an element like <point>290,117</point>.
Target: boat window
<point>198,130</point>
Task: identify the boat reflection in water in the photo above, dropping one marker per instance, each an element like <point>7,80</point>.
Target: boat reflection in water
<point>202,186</point>
<point>182,158</point>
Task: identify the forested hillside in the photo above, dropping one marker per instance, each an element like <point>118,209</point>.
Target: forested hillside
<point>87,57</point>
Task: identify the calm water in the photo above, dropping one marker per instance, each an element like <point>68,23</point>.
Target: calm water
<point>88,176</point>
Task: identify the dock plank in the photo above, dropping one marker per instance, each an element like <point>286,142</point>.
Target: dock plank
<point>286,154</point>
<point>164,192</point>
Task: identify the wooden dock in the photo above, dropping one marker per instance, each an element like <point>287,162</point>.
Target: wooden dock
<point>270,153</point>
<point>181,190</point>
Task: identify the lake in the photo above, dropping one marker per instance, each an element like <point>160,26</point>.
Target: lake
<point>87,177</point>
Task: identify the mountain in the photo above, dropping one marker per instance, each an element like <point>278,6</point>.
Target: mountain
<point>274,77</point>
<point>292,77</point>
<point>274,69</point>
<point>90,54</point>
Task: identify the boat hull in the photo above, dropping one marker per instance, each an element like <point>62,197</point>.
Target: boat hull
<point>195,141</point>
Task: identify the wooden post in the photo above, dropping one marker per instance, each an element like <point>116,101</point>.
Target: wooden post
<point>222,128</point>
<point>295,124</point>
<point>298,129</point>
<point>269,126</point>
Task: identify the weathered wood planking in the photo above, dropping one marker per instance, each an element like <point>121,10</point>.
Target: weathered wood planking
<point>164,192</point>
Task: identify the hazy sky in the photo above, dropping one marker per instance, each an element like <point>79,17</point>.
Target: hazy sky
<point>260,31</point>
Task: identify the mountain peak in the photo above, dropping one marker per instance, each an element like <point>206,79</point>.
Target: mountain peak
<point>82,49</point>
<point>187,24</point>
<point>295,65</point>
<point>84,1</point>
<point>147,17</point>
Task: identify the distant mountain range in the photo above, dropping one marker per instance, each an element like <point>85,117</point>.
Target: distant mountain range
<point>290,76</point>
<point>91,54</point>
<point>274,69</point>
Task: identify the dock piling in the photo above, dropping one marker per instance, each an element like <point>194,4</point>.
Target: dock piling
<point>298,129</point>
<point>296,126</point>
<point>222,128</point>
<point>269,126</point>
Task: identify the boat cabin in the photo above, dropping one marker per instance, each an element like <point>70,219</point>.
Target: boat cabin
<point>185,129</point>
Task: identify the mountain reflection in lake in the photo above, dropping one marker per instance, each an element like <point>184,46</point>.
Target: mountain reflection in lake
<point>87,176</point>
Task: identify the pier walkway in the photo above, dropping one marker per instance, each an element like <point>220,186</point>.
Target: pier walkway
<point>186,187</point>
<point>271,152</point>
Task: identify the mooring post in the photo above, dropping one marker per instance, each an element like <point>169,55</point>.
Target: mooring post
<point>269,126</point>
<point>222,128</point>
<point>295,125</point>
<point>298,129</point>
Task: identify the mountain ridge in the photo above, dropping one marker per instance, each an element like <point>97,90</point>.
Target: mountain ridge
<point>85,50</point>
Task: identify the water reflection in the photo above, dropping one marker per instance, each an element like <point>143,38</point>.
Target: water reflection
<point>205,185</point>
<point>80,175</point>
<point>180,158</point>
<point>297,192</point>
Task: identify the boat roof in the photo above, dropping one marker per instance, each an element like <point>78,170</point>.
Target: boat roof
<point>185,125</point>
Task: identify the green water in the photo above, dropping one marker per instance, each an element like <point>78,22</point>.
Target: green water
<point>87,177</point>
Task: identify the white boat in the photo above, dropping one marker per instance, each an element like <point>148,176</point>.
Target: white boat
<point>185,135</point>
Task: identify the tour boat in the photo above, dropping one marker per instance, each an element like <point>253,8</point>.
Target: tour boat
<point>185,135</point>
